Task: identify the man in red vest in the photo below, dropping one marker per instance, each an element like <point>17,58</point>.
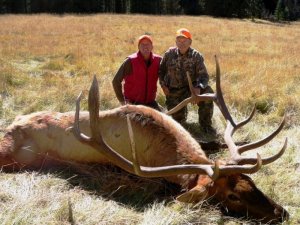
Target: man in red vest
<point>139,72</point>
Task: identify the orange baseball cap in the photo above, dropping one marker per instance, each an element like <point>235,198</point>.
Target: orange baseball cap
<point>145,36</point>
<point>183,32</point>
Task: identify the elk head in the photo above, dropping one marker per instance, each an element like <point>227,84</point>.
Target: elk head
<point>235,191</point>
<point>237,195</point>
<point>225,181</point>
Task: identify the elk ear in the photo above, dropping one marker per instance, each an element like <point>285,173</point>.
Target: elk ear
<point>196,194</point>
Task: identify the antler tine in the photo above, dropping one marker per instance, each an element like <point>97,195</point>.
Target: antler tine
<point>164,171</point>
<point>232,147</point>
<point>136,165</point>
<point>265,161</point>
<point>235,159</point>
<point>76,129</point>
<point>262,142</point>
<point>229,131</point>
<point>233,169</point>
<point>179,106</point>
<point>236,151</point>
<point>220,99</point>
<point>97,141</point>
<point>94,106</point>
<point>193,97</point>
<point>242,123</point>
<point>190,84</point>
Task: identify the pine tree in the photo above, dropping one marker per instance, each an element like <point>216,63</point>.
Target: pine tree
<point>3,6</point>
<point>120,6</point>
<point>255,8</point>
<point>281,12</point>
<point>173,7</point>
<point>192,7</point>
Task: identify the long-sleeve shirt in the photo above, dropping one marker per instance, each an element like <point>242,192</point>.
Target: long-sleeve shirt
<point>124,70</point>
<point>174,66</point>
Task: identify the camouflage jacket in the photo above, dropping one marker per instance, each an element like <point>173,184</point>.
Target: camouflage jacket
<point>174,65</point>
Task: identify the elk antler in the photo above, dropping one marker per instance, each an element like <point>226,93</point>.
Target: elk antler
<point>194,97</point>
<point>217,97</point>
<point>235,151</point>
<point>96,141</point>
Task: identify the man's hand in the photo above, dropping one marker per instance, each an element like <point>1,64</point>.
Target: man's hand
<point>165,90</point>
<point>196,92</point>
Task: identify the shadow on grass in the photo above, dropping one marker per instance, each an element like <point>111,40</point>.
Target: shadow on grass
<point>210,143</point>
<point>113,183</point>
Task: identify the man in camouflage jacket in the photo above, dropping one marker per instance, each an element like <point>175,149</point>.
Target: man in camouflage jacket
<point>176,62</point>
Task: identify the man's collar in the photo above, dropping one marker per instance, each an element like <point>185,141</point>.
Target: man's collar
<point>141,56</point>
<point>188,52</point>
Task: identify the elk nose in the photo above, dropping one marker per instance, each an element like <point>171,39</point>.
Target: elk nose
<point>281,214</point>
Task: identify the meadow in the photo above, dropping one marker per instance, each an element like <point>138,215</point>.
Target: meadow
<point>46,60</point>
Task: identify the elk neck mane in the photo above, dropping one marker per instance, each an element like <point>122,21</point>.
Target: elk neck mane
<point>173,135</point>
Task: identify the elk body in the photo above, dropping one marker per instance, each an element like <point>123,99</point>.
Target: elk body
<point>145,142</point>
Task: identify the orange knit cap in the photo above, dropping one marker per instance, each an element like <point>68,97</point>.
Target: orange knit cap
<point>145,36</point>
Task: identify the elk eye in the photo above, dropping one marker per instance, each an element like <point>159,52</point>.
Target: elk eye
<point>232,197</point>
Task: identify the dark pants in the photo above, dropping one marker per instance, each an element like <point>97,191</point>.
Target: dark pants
<point>205,108</point>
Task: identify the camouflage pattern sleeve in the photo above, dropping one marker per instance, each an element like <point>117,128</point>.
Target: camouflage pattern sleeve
<point>163,70</point>
<point>201,72</point>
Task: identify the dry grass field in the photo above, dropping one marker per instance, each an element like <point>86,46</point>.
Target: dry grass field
<point>46,60</point>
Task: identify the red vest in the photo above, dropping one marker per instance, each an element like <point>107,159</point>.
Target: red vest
<point>141,85</point>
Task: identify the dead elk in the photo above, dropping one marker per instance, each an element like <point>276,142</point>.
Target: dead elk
<point>147,143</point>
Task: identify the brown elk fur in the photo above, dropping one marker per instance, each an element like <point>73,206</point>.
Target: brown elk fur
<point>33,140</point>
<point>43,139</point>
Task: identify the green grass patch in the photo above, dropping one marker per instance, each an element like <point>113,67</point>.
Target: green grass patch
<point>56,65</point>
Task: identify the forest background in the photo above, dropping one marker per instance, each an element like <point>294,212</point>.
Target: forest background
<point>267,9</point>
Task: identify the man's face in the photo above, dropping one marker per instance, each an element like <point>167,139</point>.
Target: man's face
<point>183,44</point>
<point>145,47</point>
